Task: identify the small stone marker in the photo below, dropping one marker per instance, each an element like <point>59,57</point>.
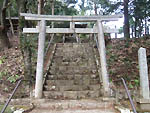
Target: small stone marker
<point>143,69</point>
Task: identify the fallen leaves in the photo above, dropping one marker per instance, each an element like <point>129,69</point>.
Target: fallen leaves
<point>122,57</point>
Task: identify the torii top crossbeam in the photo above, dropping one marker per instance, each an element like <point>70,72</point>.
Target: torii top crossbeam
<point>70,18</point>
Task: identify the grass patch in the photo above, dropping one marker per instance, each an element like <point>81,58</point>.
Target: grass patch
<point>8,110</point>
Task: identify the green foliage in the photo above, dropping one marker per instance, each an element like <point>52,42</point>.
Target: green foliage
<point>32,6</point>
<point>13,78</point>
<point>60,8</point>
<point>6,89</point>
<point>68,2</point>
<point>139,12</point>
<point>8,110</point>
<point>120,30</point>
<point>13,8</point>
<point>126,44</point>
<point>134,83</point>
<point>111,72</point>
<point>137,82</point>
<point>131,86</point>
<point>1,62</point>
<point>2,74</point>
<point>109,46</point>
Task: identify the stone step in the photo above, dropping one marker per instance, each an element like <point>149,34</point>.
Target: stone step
<point>74,45</point>
<point>77,60</point>
<point>73,68</point>
<point>99,103</point>
<point>62,95</point>
<point>60,77</point>
<point>74,48</point>
<point>74,106</point>
<point>72,111</point>
<point>64,44</point>
<point>59,82</point>
<point>74,54</point>
<point>70,70</point>
<point>76,81</point>
<point>73,57</point>
<point>71,76</point>
<point>71,63</point>
<point>72,88</point>
<point>79,50</point>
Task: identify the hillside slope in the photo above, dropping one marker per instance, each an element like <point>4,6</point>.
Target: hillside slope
<point>122,59</point>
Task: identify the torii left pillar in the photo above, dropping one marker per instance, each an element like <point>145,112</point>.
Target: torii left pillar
<point>40,60</point>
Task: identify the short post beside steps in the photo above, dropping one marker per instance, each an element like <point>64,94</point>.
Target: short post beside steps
<point>144,100</point>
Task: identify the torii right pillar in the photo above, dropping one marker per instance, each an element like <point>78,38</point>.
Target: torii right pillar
<point>102,52</point>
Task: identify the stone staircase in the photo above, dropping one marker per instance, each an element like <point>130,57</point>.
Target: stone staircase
<point>73,84</point>
<point>73,73</point>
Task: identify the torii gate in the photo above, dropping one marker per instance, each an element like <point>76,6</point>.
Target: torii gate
<point>43,29</point>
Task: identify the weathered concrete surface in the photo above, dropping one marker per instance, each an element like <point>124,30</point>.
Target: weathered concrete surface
<point>75,106</point>
<point>144,81</point>
<point>123,110</point>
<point>73,73</point>
<point>70,18</point>
<point>102,105</point>
<point>40,61</point>
<point>69,30</point>
<point>74,111</point>
<point>143,104</point>
<point>102,52</point>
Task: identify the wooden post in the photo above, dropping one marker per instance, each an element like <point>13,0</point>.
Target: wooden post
<point>40,60</point>
<point>102,52</point>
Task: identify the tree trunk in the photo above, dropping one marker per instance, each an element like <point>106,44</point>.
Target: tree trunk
<point>53,11</point>
<point>95,8</point>
<point>25,46</point>
<point>40,6</point>
<point>140,28</point>
<point>135,33</point>
<point>145,26</point>
<point>126,20</point>
<point>10,22</point>
<point>147,30</point>
<point>4,40</point>
<point>27,61</point>
<point>132,31</point>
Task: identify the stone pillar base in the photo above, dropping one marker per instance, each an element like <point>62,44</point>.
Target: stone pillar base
<point>143,105</point>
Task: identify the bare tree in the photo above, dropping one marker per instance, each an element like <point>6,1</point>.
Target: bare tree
<point>4,41</point>
<point>40,6</point>
<point>10,22</point>
<point>126,20</point>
